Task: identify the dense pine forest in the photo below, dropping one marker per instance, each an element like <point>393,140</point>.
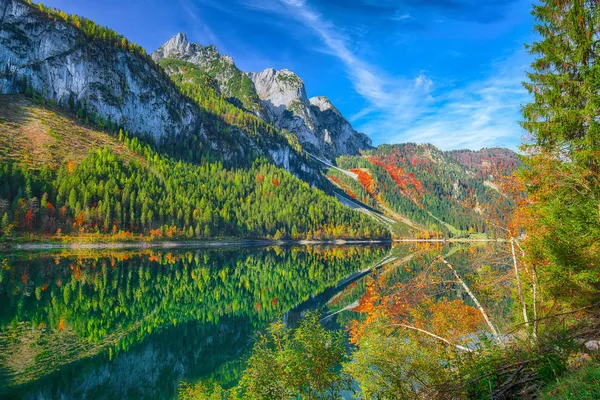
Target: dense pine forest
<point>145,193</point>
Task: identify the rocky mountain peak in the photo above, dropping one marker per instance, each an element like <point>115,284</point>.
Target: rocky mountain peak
<point>279,88</point>
<point>323,104</point>
<point>233,83</point>
<point>179,47</point>
<point>227,59</point>
<point>176,47</point>
<point>277,96</point>
<point>289,78</point>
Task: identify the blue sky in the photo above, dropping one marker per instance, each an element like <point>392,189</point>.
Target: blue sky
<point>446,72</point>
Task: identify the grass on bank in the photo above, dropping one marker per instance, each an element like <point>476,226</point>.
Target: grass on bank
<point>580,384</point>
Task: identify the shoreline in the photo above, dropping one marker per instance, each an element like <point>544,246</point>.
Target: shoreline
<point>224,243</point>
<point>177,244</point>
<point>450,240</point>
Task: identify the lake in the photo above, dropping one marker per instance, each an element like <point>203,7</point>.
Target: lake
<point>103,324</point>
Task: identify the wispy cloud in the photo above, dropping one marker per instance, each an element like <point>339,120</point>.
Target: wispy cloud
<point>479,114</point>
<point>368,81</point>
<point>482,113</point>
<point>401,16</point>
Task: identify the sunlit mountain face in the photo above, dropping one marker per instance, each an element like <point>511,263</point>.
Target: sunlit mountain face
<point>446,73</point>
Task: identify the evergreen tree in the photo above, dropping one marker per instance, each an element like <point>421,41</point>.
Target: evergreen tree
<point>565,77</point>
<point>5,224</point>
<point>563,177</point>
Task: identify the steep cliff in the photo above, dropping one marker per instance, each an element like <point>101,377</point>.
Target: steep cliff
<point>320,127</point>
<point>233,83</point>
<point>68,60</point>
<point>336,129</point>
<point>284,97</point>
<point>59,62</point>
<point>278,97</point>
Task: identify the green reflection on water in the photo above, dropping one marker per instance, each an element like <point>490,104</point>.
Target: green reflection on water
<point>106,324</point>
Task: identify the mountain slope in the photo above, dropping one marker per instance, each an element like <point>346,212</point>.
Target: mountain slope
<point>278,97</point>
<point>232,83</point>
<point>487,161</point>
<point>443,193</point>
<point>73,62</point>
<point>59,173</point>
<point>317,123</point>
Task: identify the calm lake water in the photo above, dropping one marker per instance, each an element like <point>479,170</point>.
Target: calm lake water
<point>105,324</point>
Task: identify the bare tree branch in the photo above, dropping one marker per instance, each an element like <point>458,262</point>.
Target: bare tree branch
<point>433,335</point>
<point>518,279</point>
<point>479,306</point>
<point>534,286</point>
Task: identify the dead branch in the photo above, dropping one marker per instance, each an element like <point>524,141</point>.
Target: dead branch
<point>433,335</point>
<point>518,280</point>
<point>477,303</point>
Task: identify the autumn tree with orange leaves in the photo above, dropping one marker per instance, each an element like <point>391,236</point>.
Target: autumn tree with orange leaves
<point>552,241</point>
<point>414,330</point>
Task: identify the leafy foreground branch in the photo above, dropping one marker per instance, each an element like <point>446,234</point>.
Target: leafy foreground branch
<point>287,363</point>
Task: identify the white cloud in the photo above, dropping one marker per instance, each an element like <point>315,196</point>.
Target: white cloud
<point>401,16</point>
<point>480,114</point>
<point>424,82</point>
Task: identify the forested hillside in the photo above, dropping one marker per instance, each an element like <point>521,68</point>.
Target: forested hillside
<point>109,80</point>
<point>191,166</point>
<point>442,193</point>
<point>61,176</point>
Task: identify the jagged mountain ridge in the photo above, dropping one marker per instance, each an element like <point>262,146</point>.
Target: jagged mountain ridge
<point>233,83</point>
<point>278,97</point>
<point>51,54</point>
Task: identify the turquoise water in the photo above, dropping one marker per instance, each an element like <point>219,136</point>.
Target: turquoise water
<point>107,324</point>
<point>103,324</point>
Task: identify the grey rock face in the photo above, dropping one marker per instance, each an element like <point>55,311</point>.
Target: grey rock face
<point>275,96</point>
<point>279,88</point>
<point>592,345</point>
<point>338,131</point>
<point>63,65</point>
<point>60,63</point>
<point>284,98</point>
<point>177,47</point>
<point>320,127</point>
